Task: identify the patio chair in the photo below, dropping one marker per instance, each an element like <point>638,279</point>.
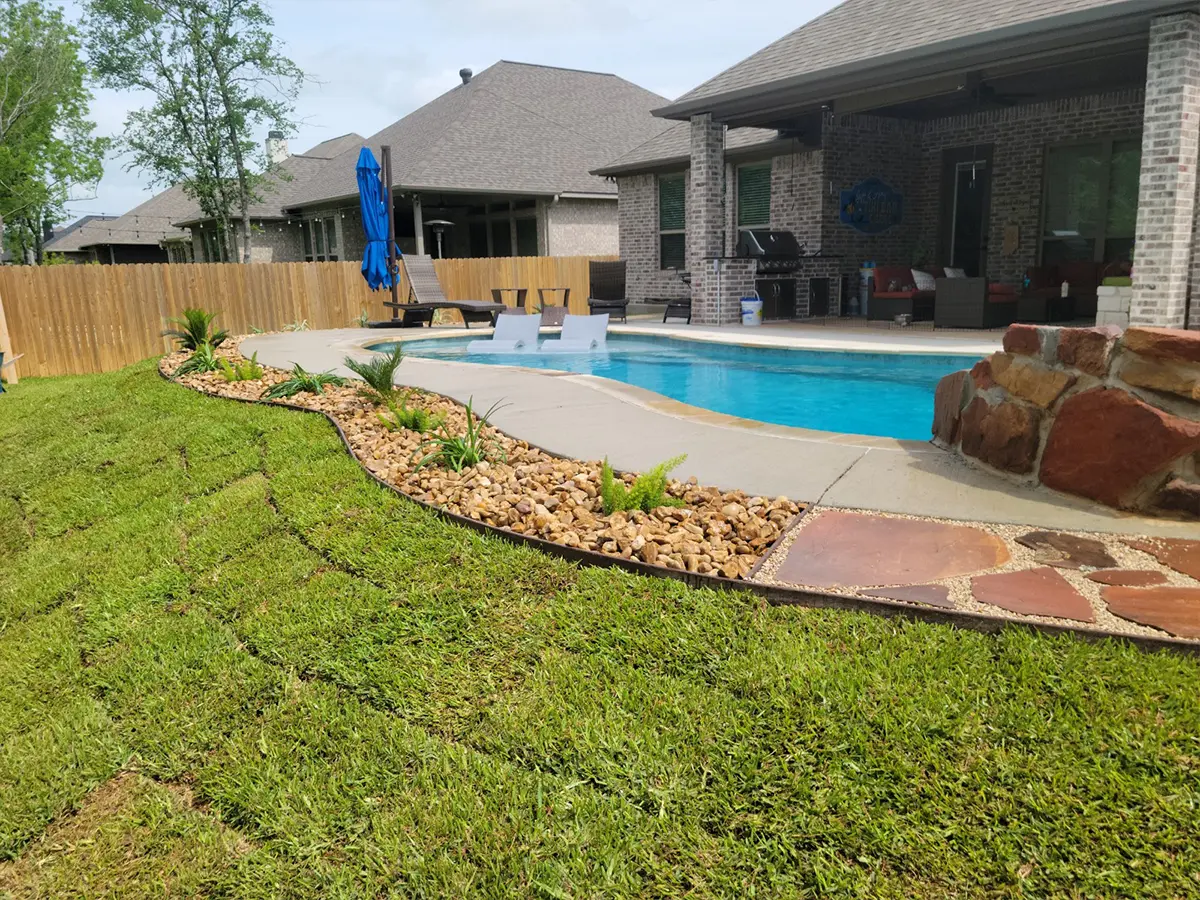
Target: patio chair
<point>974,303</point>
<point>513,334</point>
<point>607,294</point>
<point>425,295</point>
<point>580,334</point>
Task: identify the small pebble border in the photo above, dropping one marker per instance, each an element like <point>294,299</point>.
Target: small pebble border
<point>528,491</point>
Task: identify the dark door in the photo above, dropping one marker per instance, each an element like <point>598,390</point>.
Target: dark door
<point>818,296</point>
<point>965,208</point>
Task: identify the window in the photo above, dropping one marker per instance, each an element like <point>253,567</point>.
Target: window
<point>527,236</point>
<point>179,251</point>
<point>502,237</point>
<point>1090,202</point>
<point>214,246</point>
<point>672,222</point>
<point>320,239</point>
<point>754,196</point>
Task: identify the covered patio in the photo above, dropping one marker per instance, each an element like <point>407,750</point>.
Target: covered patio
<point>1058,148</point>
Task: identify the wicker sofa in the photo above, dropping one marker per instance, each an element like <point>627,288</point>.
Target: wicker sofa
<point>894,293</point>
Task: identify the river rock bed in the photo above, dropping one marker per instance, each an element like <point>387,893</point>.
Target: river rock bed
<point>528,491</point>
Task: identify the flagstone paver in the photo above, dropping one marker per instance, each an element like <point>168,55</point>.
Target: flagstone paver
<point>1182,556</point>
<point>1067,551</point>
<point>842,549</point>
<point>927,594</point>
<point>1033,592</point>
<point>1126,578</point>
<point>1175,610</point>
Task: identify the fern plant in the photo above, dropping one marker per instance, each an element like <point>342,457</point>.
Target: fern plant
<point>649,491</point>
<point>303,380</point>
<point>379,375</point>
<point>402,417</point>
<point>462,451</point>
<point>204,359</point>
<point>195,329</point>
<point>249,370</point>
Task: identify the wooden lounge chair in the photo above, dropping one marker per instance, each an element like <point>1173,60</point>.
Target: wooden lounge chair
<point>607,294</point>
<point>425,296</point>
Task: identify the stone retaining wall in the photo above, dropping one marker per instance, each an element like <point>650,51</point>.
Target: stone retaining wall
<point>1096,412</point>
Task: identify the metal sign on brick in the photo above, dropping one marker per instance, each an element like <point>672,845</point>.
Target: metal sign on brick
<point>872,207</point>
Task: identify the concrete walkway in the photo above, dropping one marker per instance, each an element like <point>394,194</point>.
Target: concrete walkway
<point>590,418</point>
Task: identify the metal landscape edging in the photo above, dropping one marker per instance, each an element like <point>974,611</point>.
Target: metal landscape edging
<point>774,595</point>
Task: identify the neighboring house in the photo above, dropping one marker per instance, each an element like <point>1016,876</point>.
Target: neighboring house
<point>135,237</point>
<point>502,163</point>
<point>995,137</point>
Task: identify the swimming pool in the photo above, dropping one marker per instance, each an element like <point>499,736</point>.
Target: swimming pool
<point>882,394</point>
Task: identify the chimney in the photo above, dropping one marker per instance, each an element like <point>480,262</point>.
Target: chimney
<point>277,149</point>
<point>465,75</point>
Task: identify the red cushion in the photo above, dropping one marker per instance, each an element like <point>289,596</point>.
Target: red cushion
<point>1002,289</point>
<point>895,295</point>
<point>885,275</point>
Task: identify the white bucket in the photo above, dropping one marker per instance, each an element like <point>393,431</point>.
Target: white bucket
<point>751,312</point>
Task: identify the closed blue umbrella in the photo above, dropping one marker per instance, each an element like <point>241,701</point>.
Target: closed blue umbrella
<point>374,217</point>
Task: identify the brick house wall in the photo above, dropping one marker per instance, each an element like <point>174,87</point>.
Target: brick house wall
<point>637,213</point>
<point>805,187</point>
<point>582,227</point>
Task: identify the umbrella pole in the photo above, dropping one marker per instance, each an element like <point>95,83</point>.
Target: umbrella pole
<point>391,220</point>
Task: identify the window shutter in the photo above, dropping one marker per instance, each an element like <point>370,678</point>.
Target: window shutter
<point>754,196</point>
<point>672,210</point>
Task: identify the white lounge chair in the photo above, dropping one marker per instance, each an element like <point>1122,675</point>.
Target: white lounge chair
<point>513,334</point>
<point>580,334</point>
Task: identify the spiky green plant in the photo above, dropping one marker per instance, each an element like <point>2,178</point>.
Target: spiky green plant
<point>302,325</point>
<point>195,329</point>
<point>379,374</point>
<point>303,380</point>
<point>649,491</point>
<point>462,451</point>
<point>363,320</point>
<point>248,370</point>
<point>402,417</point>
<point>204,359</point>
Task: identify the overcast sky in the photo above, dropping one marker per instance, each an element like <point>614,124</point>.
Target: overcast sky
<point>423,43</point>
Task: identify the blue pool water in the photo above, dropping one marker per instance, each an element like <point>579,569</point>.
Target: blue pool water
<point>883,394</point>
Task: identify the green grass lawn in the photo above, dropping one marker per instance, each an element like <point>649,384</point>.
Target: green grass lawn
<point>231,665</point>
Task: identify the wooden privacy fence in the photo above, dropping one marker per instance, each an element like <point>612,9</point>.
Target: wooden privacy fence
<point>75,320</point>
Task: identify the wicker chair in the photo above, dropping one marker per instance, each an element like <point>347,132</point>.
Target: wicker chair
<point>607,294</point>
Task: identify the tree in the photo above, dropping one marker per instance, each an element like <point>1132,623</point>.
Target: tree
<point>46,141</point>
<point>217,75</point>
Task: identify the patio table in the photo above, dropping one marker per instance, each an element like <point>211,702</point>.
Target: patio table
<point>521,294</point>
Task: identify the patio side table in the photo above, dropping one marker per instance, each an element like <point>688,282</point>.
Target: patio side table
<point>522,293</point>
<point>566,292</point>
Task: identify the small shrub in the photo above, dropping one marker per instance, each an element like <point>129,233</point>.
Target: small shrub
<point>195,329</point>
<point>249,370</point>
<point>204,359</point>
<point>302,325</point>
<point>303,380</point>
<point>400,416</point>
<point>379,375</point>
<point>649,491</point>
<point>363,320</point>
<point>458,452</point>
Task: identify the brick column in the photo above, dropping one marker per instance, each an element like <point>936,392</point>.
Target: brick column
<point>706,219</point>
<point>1167,196</point>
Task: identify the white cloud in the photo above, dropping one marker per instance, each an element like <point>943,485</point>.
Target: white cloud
<point>668,46</point>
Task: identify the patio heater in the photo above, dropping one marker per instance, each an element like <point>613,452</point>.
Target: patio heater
<point>439,227</point>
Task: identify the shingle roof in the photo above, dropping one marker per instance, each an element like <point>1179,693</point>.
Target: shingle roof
<point>674,146</point>
<point>514,128</point>
<point>148,223</point>
<point>860,30</point>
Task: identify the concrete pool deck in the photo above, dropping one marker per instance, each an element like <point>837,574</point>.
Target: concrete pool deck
<point>590,418</point>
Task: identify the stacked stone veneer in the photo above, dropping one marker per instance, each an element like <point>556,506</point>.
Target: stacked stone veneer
<point>1108,415</point>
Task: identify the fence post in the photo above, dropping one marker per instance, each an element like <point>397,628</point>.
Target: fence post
<point>6,347</point>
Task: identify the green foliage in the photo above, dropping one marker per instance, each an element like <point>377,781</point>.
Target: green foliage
<point>216,78</point>
<point>195,329</point>
<point>203,359</point>
<point>302,325</point>
<point>303,380</point>
<point>46,142</point>
<point>462,451</point>
<point>400,416</point>
<point>649,490</point>
<point>248,370</point>
<point>379,373</point>
<point>362,320</point>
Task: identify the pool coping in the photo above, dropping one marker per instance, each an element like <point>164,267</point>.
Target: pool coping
<point>677,409</point>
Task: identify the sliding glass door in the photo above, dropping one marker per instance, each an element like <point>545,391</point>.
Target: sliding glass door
<point>1090,198</point>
